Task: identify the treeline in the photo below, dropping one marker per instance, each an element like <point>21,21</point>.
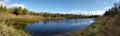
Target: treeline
<point>114,10</point>
<point>107,25</point>
<point>16,10</point>
<point>112,23</point>
<point>24,11</point>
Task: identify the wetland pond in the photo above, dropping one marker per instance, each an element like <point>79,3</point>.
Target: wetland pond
<point>56,27</point>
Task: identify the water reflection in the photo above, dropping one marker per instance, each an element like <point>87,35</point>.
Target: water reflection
<point>18,24</point>
<point>53,27</point>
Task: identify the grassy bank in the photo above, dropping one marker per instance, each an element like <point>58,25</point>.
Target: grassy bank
<point>107,25</point>
<point>103,26</point>
<point>93,30</point>
<point>6,30</point>
<point>7,22</point>
<point>29,18</point>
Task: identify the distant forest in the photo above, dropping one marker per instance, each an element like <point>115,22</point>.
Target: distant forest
<point>24,11</point>
<point>114,10</point>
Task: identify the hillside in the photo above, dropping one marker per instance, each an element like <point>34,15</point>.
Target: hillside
<point>107,25</point>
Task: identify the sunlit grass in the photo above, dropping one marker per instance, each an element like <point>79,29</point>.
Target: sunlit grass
<point>93,30</point>
<point>6,30</point>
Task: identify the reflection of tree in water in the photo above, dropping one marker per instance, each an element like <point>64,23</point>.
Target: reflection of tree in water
<point>36,22</point>
<point>45,22</point>
<point>17,24</point>
<point>68,21</point>
<point>76,21</point>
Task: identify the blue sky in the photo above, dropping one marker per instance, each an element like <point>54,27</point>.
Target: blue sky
<point>63,6</point>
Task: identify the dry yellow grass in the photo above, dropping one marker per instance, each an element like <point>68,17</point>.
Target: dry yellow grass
<point>21,17</point>
<point>9,30</point>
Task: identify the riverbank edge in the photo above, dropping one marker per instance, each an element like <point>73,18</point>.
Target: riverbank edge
<point>93,30</point>
<point>7,30</point>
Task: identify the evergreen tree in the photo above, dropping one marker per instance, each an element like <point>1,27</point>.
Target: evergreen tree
<point>19,11</point>
<point>15,12</point>
<point>25,12</point>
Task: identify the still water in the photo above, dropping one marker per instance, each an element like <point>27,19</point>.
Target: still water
<point>57,27</point>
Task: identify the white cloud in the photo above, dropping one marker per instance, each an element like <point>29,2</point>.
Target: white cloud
<point>5,0</point>
<point>17,5</point>
<point>4,3</point>
<point>118,0</point>
<point>96,12</point>
<point>78,12</point>
<point>106,8</point>
<point>102,2</point>
<point>105,3</point>
<point>98,2</point>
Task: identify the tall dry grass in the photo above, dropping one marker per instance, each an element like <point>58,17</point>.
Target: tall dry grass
<point>13,17</point>
<point>6,30</point>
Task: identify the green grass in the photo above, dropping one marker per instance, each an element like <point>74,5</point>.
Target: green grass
<point>93,30</point>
